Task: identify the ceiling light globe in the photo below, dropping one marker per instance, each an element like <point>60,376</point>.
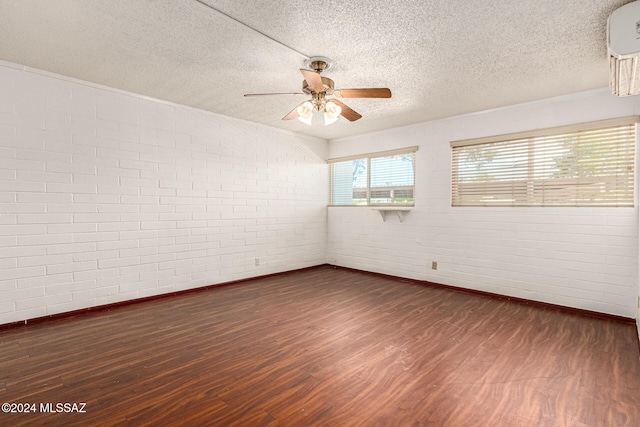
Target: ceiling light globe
<point>331,112</point>
<point>305,112</point>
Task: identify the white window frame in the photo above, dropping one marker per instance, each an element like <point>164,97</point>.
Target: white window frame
<point>368,191</point>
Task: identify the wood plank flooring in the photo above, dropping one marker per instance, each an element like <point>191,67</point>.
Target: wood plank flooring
<point>325,347</point>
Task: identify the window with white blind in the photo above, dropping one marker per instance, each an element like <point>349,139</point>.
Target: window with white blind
<point>589,164</point>
<point>375,179</point>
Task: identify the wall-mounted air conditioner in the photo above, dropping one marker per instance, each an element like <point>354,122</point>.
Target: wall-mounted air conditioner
<point>623,42</point>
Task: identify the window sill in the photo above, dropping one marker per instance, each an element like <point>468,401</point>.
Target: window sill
<point>400,212</point>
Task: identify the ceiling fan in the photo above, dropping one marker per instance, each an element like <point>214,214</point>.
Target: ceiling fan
<point>323,95</point>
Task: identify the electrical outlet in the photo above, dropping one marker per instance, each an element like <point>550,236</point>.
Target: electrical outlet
<point>257,261</point>
<point>434,265</point>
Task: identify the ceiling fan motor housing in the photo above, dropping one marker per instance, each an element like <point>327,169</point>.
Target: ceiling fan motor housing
<point>327,84</point>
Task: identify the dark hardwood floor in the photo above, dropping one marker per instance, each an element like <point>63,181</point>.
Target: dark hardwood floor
<point>325,347</point>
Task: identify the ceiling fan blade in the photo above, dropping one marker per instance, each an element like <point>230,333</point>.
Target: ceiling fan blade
<point>293,114</point>
<point>347,112</point>
<point>373,92</point>
<point>313,80</point>
<point>275,93</point>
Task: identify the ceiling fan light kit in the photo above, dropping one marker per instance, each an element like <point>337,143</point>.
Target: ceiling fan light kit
<point>320,88</point>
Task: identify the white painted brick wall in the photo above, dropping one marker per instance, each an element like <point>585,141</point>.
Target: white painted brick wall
<point>106,196</point>
<point>578,257</point>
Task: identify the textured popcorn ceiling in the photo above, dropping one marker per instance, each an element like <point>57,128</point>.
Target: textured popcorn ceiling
<point>439,58</point>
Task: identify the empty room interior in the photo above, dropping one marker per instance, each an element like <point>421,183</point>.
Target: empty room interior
<point>331,213</point>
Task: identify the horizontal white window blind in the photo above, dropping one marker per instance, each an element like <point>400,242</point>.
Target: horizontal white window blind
<point>591,164</point>
<point>374,179</point>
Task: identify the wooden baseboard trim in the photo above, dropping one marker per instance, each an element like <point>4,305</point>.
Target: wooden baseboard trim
<point>111,306</point>
<point>106,307</point>
<point>550,306</point>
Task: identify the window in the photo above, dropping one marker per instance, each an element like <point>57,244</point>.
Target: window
<point>590,164</point>
<point>375,179</point>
